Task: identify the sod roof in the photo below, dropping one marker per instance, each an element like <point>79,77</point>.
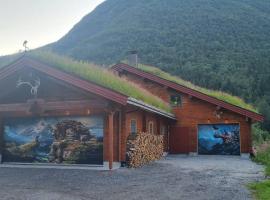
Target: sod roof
<point>234,100</point>
<point>92,73</point>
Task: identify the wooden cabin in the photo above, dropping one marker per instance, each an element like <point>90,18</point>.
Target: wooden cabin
<point>60,111</point>
<point>204,124</point>
<point>49,115</point>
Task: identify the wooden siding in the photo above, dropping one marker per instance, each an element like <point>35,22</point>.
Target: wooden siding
<point>194,111</point>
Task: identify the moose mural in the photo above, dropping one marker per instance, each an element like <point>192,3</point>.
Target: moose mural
<point>222,139</point>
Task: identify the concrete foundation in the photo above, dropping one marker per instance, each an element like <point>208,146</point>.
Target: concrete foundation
<point>245,155</point>
<point>193,154</point>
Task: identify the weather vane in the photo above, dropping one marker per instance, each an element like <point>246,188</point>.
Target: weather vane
<point>25,46</point>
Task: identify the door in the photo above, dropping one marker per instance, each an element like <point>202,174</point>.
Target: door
<point>179,140</point>
<point>67,140</point>
<point>219,139</point>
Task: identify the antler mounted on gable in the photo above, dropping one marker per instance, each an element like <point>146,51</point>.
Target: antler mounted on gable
<point>34,87</point>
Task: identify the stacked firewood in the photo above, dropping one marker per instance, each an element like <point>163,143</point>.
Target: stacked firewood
<point>143,148</point>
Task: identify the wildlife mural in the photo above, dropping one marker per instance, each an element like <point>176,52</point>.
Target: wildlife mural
<point>66,140</point>
<point>219,139</point>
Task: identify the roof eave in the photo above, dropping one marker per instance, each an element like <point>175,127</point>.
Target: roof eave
<point>147,107</point>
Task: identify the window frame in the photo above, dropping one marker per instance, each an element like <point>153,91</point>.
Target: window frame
<point>151,130</point>
<point>131,126</point>
<point>163,130</point>
<point>179,96</point>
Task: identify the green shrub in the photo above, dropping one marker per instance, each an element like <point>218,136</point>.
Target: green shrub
<point>263,157</point>
<point>259,136</point>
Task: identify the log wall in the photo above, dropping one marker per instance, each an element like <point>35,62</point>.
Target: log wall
<point>194,111</point>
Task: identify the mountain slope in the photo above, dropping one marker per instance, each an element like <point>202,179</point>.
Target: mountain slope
<point>218,44</point>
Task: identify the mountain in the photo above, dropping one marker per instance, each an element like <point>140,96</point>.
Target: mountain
<point>218,44</point>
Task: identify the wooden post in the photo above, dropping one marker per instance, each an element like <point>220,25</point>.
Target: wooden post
<point>119,134</point>
<point>1,139</point>
<point>144,122</point>
<point>110,140</point>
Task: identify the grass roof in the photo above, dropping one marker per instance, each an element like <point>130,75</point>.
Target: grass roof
<point>99,76</point>
<point>213,93</point>
<point>103,77</point>
<point>6,60</point>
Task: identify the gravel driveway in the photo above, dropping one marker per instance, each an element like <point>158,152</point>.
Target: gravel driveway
<point>174,177</point>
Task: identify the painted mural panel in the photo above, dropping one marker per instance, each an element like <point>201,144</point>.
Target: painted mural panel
<point>219,139</point>
<point>67,140</point>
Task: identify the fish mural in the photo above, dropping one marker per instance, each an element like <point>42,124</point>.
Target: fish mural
<point>219,139</point>
<point>66,140</point>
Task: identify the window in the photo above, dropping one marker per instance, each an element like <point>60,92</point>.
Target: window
<point>133,126</point>
<point>151,127</point>
<point>163,130</point>
<point>176,100</point>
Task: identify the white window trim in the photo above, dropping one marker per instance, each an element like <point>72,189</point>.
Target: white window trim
<point>149,130</point>
<point>135,127</point>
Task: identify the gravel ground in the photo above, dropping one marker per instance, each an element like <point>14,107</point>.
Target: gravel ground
<point>174,177</point>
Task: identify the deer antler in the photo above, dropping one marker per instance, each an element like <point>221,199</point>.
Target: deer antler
<point>20,83</point>
<point>34,88</point>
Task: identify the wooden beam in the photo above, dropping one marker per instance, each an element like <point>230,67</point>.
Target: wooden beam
<point>110,139</point>
<point>50,106</point>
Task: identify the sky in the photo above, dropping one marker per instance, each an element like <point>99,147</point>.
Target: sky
<point>38,21</point>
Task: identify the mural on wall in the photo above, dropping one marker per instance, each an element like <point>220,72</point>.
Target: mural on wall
<point>68,140</point>
<point>220,139</point>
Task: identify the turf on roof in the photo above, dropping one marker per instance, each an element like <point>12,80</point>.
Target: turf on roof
<point>100,76</point>
<point>216,94</point>
<point>6,60</point>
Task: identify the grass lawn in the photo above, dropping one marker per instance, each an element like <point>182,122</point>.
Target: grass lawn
<point>261,190</point>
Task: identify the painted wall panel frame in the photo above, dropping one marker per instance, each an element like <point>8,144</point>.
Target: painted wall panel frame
<point>85,140</point>
<point>220,124</point>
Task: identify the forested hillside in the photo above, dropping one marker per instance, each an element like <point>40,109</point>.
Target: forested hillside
<point>218,44</point>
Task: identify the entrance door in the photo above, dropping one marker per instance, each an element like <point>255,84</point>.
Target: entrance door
<point>179,140</point>
<point>67,140</point>
<point>219,139</point>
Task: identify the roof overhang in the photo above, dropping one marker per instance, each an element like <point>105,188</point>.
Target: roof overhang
<point>144,106</point>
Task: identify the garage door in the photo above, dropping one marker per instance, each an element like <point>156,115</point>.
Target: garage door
<point>219,139</point>
<point>67,140</point>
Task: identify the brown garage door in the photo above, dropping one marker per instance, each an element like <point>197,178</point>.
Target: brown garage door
<point>179,140</point>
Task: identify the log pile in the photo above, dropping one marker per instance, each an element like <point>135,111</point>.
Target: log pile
<point>143,148</point>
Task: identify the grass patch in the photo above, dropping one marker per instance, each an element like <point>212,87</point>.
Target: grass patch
<point>100,76</point>
<point>263,157</point>
<point>261,190</point>
<point>217,94</point>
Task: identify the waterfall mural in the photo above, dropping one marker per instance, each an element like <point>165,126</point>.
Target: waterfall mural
<point>68,140</point>
<point>219,139</point>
